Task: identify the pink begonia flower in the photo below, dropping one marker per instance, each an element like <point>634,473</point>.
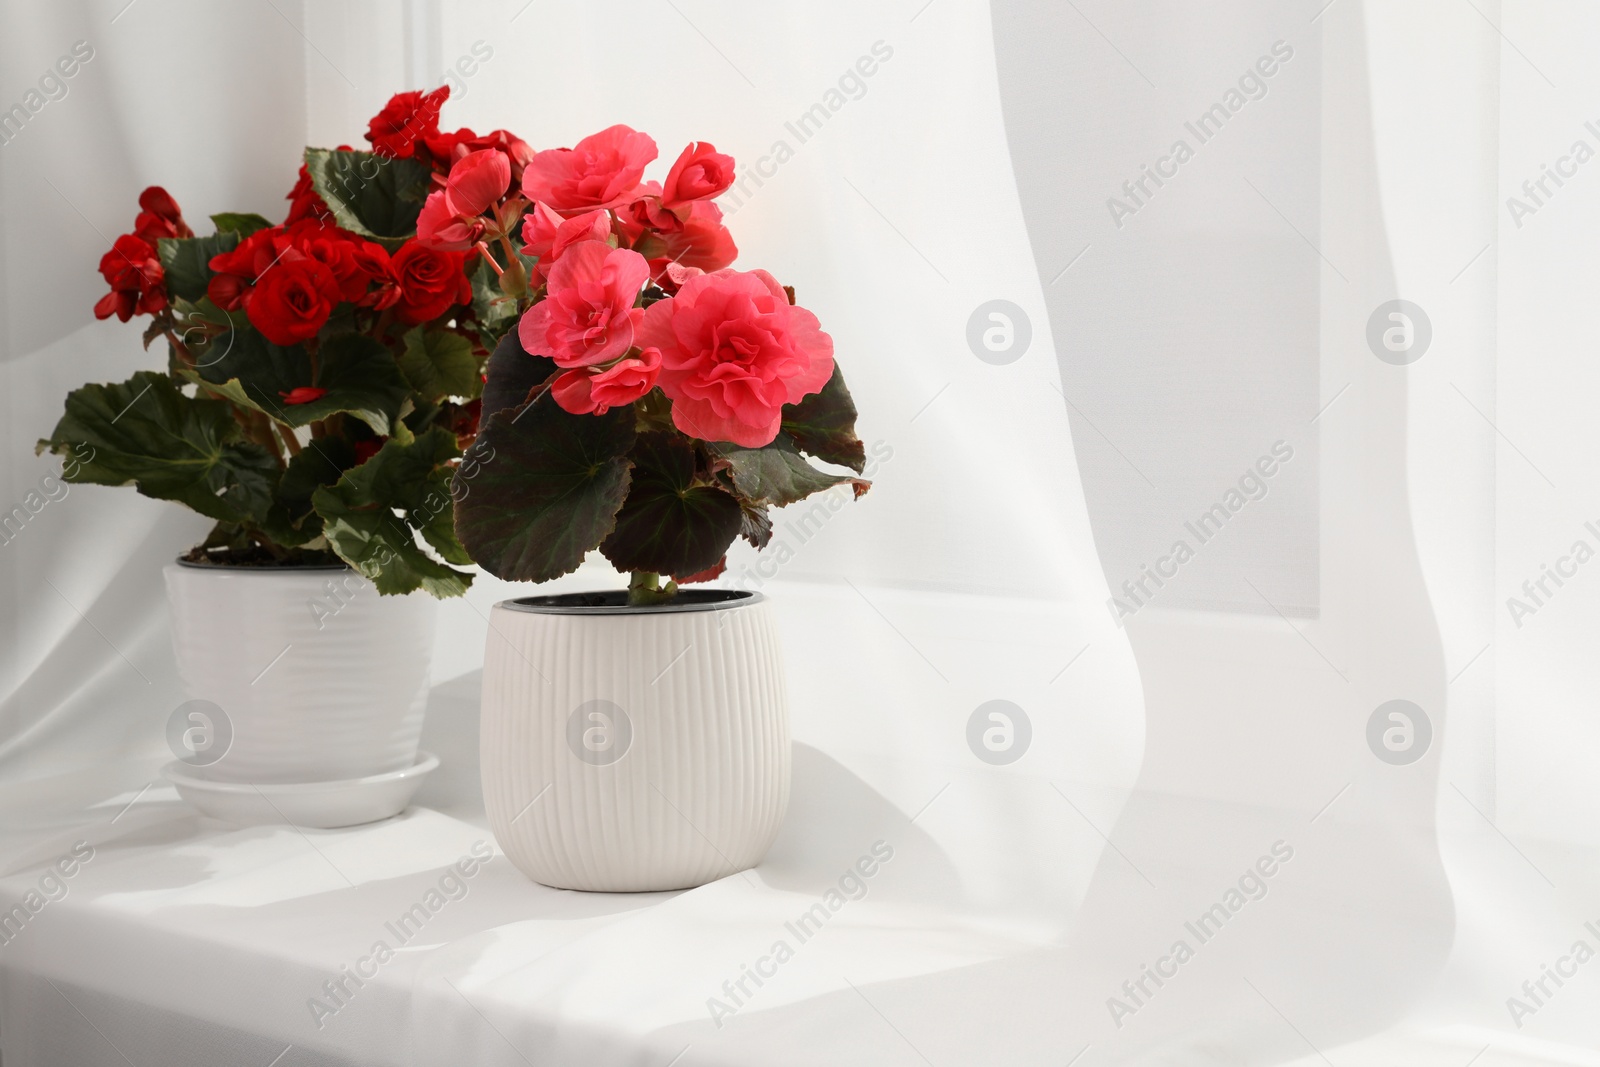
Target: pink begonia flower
<point>583,392</point>
<point>700,173</point>
<point>547,235</point>
<point>588,316</point>
<point>451,218</point>
<point>646,212</point>
<point>675,274</point>
<point>601,171</point>
<point>733,352</point>
<point>703,242</point>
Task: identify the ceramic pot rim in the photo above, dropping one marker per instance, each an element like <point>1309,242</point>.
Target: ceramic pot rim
<point>615,602</point>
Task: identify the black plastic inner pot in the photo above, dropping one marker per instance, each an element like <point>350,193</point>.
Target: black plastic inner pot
<point>615,602</point>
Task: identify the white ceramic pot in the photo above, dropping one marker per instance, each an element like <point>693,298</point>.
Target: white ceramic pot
<point>634,749</point>
<point>318,677</point>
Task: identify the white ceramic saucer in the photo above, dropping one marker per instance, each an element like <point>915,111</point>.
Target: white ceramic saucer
<point>324,805</point>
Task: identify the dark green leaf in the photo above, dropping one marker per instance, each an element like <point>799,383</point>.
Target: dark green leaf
<point>172,447</point>
<point>293,521</point>
<point>824,425</point>
<point>203,329</point>
<point>361,524</point>
<point>358,372</point>
<point>439,363</point>
<point>544,488</point>
<point>755,524</point>
<point>777,474</point>
<point>438,524</point>
<point>361,377</point>
<point>187,262</point>
<point>373,195</point>
<point>250,370</point>
<point>512,373</point>
<point>669,524</point>
<point>420,416</point>
<point>242,223</point>
<point>200,322</point>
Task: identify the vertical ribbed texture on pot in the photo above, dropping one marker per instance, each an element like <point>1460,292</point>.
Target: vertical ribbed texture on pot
<point>700,790</point>
<point>320,678</point>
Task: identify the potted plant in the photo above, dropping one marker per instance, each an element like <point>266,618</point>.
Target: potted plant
<point>653,404</point>
<point>323,374</point>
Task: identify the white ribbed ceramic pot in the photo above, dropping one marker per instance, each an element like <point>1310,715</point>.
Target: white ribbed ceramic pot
<point>320,678</point>
<point>634,749</point>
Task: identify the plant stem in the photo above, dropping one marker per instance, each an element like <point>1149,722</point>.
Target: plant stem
<point>258,428</point>
<point>270,439</point>
<point>483,248</point>
<point>179,347</point>
<point>654,411</point>
<point>644,589</point>
<point>266,543</point>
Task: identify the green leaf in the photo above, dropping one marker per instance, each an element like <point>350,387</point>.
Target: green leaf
<point>230,391</point>
<point>543,489</point>
<point>824,425</point>
<point>380,546</point>
<point>438,525</point>
<point>361,377</point>
<point>373,195</point>
<point>250,370</point>
<point>170,446</point>
<point>494,310</point>
<point>360,521</point>
<point>242,223</point>
<point>413,477</point>
<point>205,331</point>
<point>293,521</point>
<point>194,316</point>
<point>669,524</point>
<point>777,474</point>
<point>439,363</point>
<point>187,262</point>
<point>358,372</point>
<point>416,419</point>
<point>512,373</point>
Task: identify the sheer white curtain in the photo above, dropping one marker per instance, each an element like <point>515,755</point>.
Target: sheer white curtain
<point>1548,487</point>
<point>209,103</point>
